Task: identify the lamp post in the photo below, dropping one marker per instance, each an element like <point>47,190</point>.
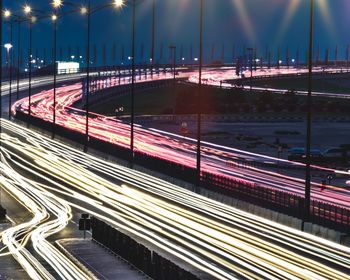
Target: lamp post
<point>28,12</point>
<point>9,52</point>
<point>87,77</point>
<point>18,54</point>
<point>0,76</point>
<point>153,35</point>
<point>132,124</point>
<point>54,21</point>
<point>88,11</point>
<point>17,19</point>
<point>9,48</point>
<point>173,49</point>
<point>251,50</point>
<point>308,129</point>
<point>199,116</point>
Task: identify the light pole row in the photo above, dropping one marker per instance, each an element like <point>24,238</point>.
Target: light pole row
<point>119,3</point>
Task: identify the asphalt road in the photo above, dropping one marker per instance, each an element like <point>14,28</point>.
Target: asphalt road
<point>217,240</point>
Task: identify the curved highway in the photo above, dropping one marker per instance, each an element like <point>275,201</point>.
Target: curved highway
<point>219,160</point>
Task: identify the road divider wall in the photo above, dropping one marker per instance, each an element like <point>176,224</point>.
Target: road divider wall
<point>150,262</point>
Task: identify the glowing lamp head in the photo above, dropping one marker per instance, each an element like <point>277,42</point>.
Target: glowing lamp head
<point>8,46</point>
<point>54,17</point>
<point>7,13</point>
<point>83,10</point>
<point>57,3</point>
<point>27,9</point>
<point>118,3</point>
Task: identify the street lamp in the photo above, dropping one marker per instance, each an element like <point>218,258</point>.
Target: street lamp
<point>54,18</point>
<point>251,50</point>
<point>199,116</point>
<point>28,12</point>
<point>132,124</point>
<point>308,128</point>
<point>9,59</point>
<point>88,11</point>
<point>153,35</point>
<point>9,47</point>
<point>0,74</point>
<point>18,20</point>
<point>173,49</point>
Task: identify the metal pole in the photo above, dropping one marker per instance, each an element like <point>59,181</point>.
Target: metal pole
<point>10,64</point>
<point>199,117</point>
<point>54,75</point>
<point>30,65</point>
<point>153,35</point>
<point>133,83</point>
<point>87,80</point>
<point>251,71</point>
<point>0,81</point>
<point>309,116</point>
<point>174,65</point>
<point>18,55</point>
<point>0,71</point>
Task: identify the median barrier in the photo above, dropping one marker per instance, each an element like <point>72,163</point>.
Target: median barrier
<point>150,262</point>
<point>2,213</point>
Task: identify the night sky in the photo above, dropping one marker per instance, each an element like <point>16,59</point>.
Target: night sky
<point>228,23</point>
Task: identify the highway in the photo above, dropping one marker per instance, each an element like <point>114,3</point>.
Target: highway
<point>227,78</point>
<point>219,160</point>
<point>221,241</point>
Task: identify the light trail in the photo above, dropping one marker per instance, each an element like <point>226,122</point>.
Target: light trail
<point>225,242</point>
<point>220,78</point>
<point>218,160</point>
<point>50,215</point>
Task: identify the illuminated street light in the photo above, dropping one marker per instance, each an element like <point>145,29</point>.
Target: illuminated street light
<point>83,10</point>
<point>7,13</point>
<point>119,3</point>
<point>27,9</point>
<point>57,3</point>
<point>8,46</point>
<point>54,17</point>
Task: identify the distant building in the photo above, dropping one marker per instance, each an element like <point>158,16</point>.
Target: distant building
<point>67,67</point>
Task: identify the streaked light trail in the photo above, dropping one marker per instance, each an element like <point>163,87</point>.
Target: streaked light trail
<point>225,242</point>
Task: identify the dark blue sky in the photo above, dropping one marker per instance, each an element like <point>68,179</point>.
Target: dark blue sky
<point>241,23</point>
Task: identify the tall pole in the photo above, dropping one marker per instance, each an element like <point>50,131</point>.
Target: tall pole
<point>153,35</point>
<point>54,75</point>
<point>251,50</point>
<point>1,17</point>
<point>174,65</point>
<point>30,65</point>
<point>10,64</point>
<point>133,82</point>
<point>18,55</point>
<point>309,116</point>
<point>173,51</point>
<point>87,79</point>
<point>199,117</point>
